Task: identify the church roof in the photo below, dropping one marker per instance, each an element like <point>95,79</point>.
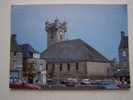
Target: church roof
<point>72,50</point>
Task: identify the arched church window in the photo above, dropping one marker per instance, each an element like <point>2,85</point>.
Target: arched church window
<point>77,66</point>
<point>53,65</point>
<point>68,67</point>
<point>46,66</point>
<point>60,67</point>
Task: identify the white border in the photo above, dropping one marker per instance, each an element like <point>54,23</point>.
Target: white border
<point>21,2</point>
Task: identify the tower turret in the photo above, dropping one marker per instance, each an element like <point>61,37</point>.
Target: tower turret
<point>55,31</point>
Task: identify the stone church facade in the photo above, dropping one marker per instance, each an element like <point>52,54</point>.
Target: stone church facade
<point>67,70</point>
<point>71,58</point>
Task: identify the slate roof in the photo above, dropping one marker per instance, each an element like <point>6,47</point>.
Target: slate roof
<point>123,42</point>
<point>72,50</point>
<point>14,45</point>
<point>27,50</point>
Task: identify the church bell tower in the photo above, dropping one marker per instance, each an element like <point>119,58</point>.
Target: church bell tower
<point>55,32</point>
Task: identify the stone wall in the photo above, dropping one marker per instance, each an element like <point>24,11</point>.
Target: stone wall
<point>67,70</point>
<point>38,64</point>
<point>36,67</point>
<point>85,70</point>
<point>98,69</point>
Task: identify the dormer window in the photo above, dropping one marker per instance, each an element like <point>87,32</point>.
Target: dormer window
<point>36,55</point>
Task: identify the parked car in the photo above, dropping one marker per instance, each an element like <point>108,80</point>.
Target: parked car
<point>105,84</point>
<point>71,82</point>
<point>51,82</point>
<point>109,85</point>
<point>63,81</point>
<point>85,82</point>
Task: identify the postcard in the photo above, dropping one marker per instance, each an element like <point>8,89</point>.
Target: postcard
<point>69,47</point>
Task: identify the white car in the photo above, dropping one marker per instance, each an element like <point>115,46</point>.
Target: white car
<point>85,81</point>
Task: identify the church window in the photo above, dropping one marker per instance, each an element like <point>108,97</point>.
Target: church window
<point>77,66</point>
<point>53,65</point>
<point>68,67</point>
<point>46,66</point>
<point>60,67</point>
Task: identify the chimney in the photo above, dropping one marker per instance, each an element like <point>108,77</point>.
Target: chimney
<point>122,34</point>
<point>13,36</point>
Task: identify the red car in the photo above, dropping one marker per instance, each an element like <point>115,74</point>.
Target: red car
<point>24,86</point>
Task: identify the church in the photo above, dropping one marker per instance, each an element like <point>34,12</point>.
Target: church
<point>72,58</point>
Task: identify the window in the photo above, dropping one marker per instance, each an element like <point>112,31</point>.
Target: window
<point>124,53</point>
<point>14,60</point>
<point>15,53</point>
<point>68,67</point>
<point>60,67</point>
<point>53,65</point>
<point>77,66</point>
<point>40,67</point>
<point>31,54</point>
<point>14,74</point>
<point>61,37</point>
<point>46,66</point>
<point>51,36</point>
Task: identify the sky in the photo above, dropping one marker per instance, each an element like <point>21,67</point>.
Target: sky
<point>97,25</point>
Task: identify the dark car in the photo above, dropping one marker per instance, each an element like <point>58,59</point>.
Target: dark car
<point>51,82</point>
<point>63,81</point>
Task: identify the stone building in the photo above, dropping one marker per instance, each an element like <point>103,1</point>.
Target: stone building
<point>123,51</point>
<point>122,69</point>
<point>37,67</point>
<point>16,60</point>
<point>34,67</point>
<point>123,57</point>
<point>72,58</point>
